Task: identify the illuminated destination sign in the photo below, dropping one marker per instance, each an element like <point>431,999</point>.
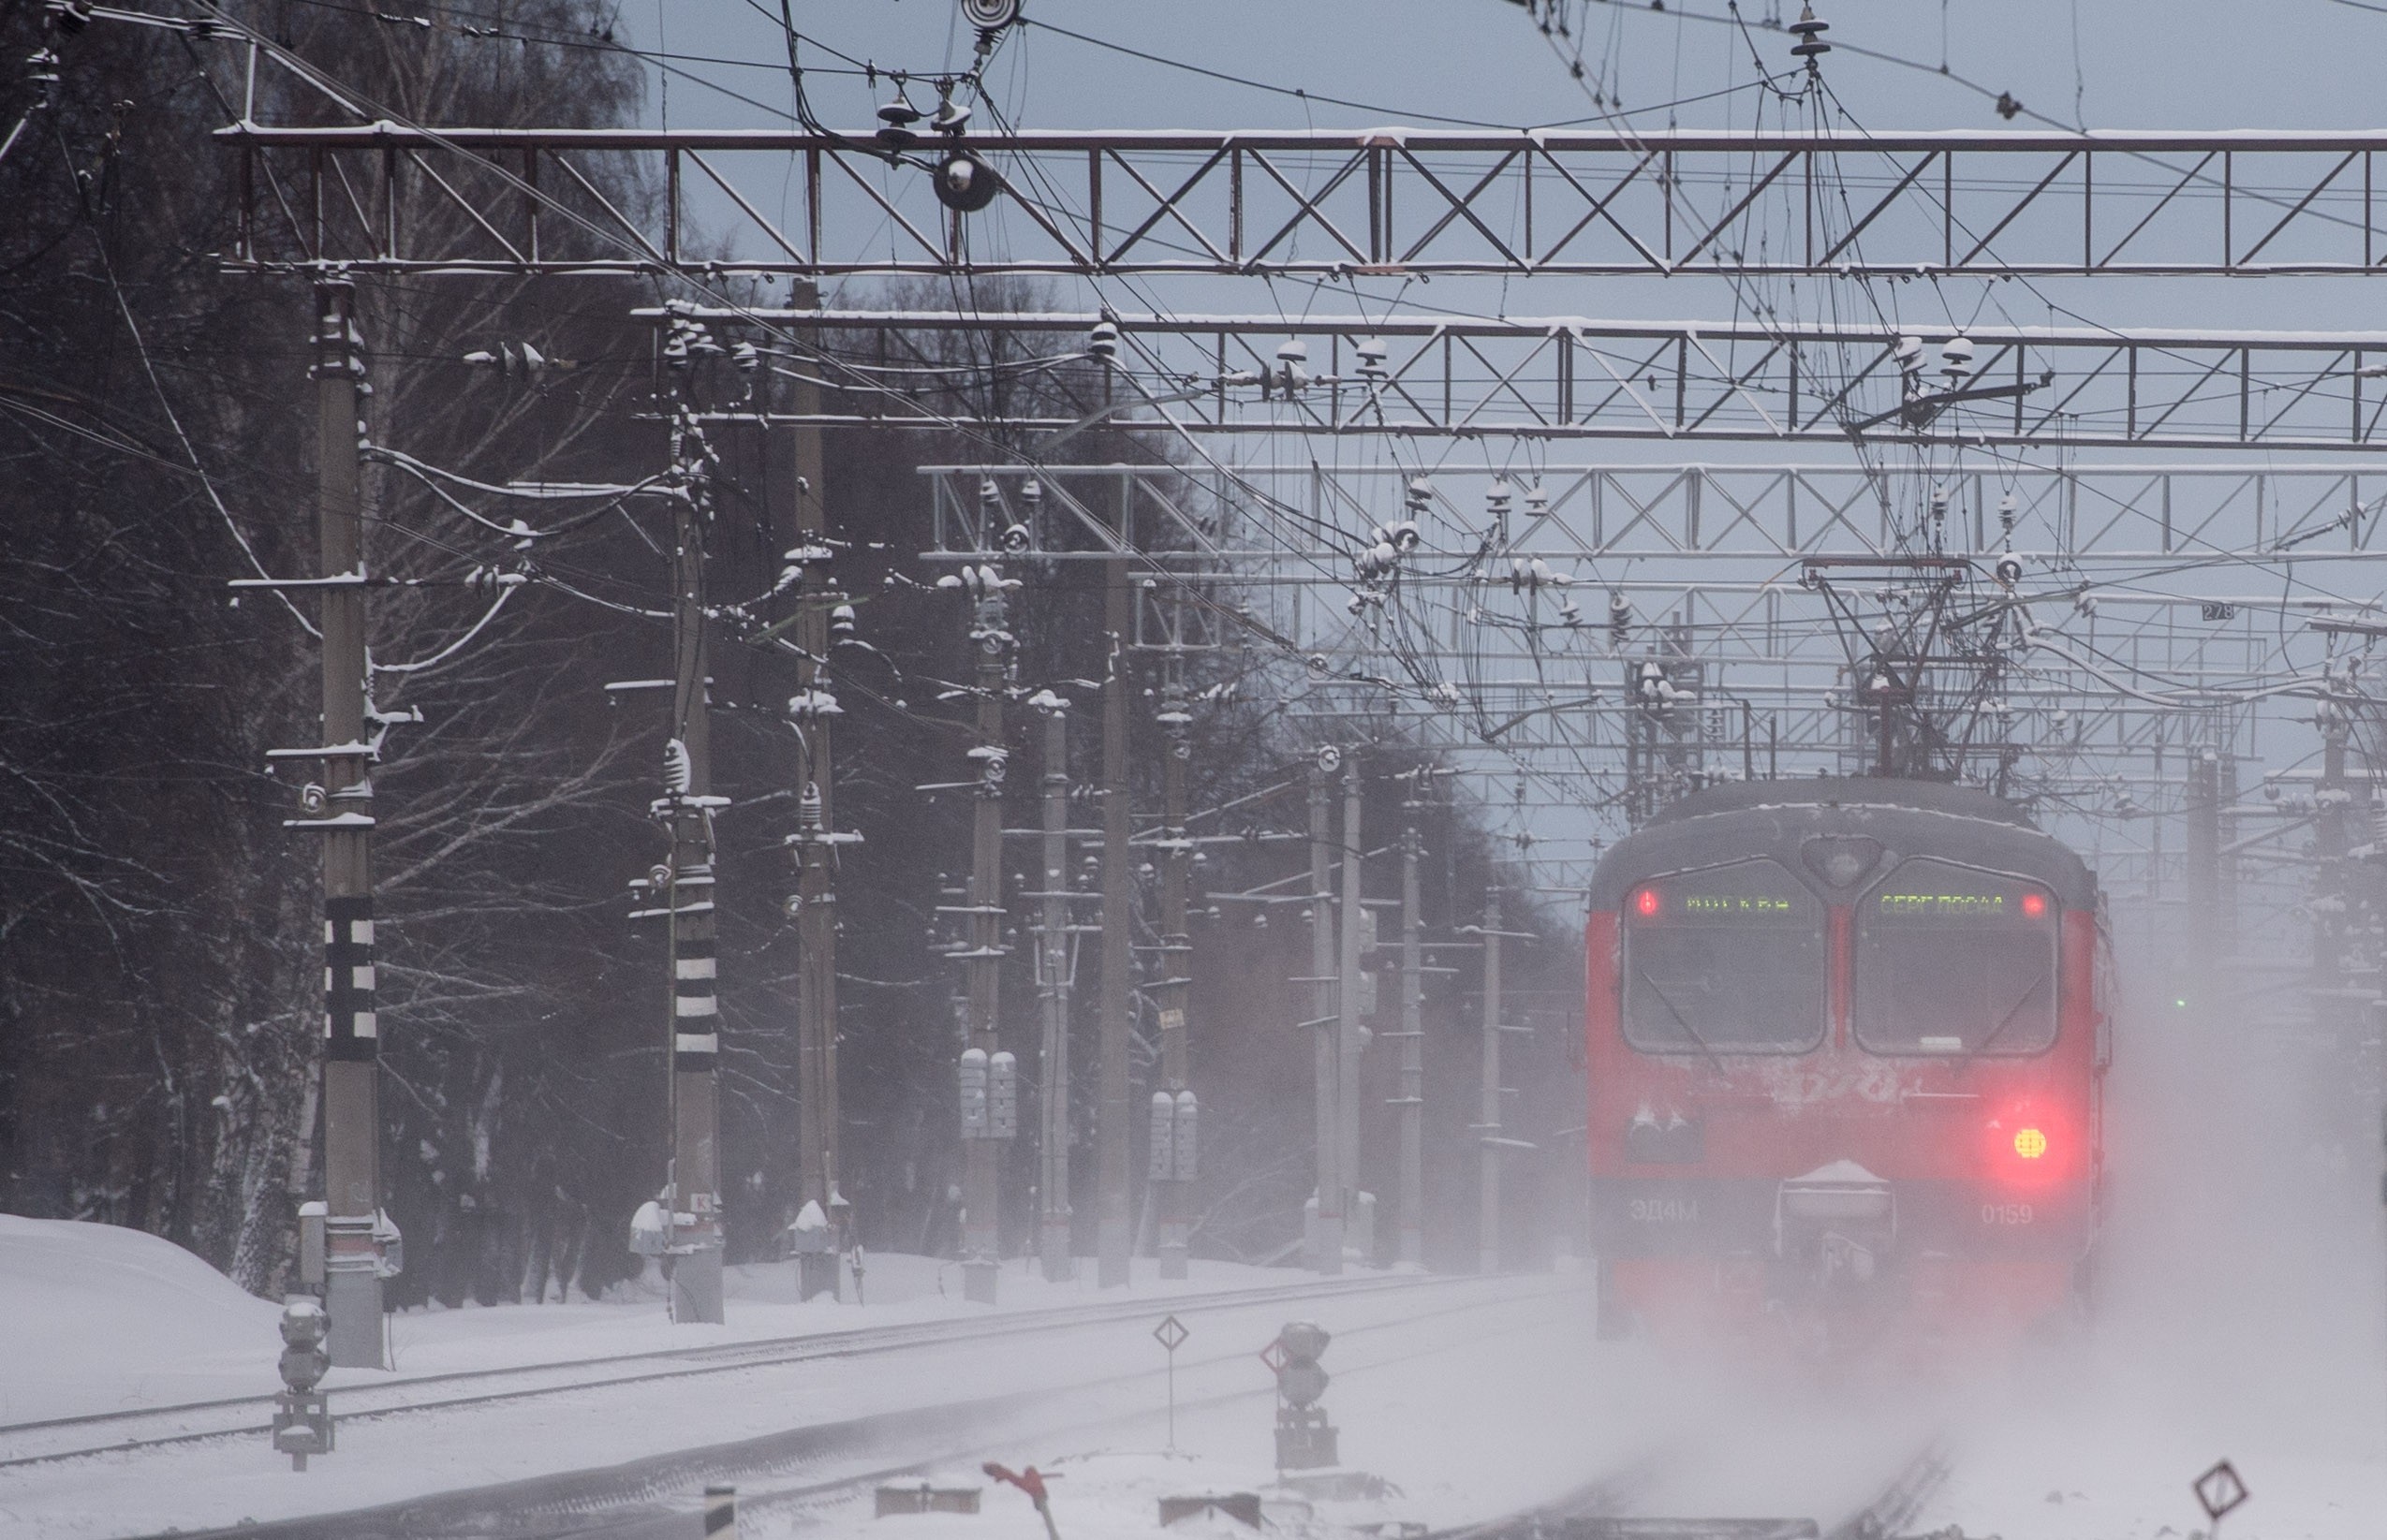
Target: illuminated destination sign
<point>1737,905</point>
<point>1943,905</point>
<point>1742,893</point>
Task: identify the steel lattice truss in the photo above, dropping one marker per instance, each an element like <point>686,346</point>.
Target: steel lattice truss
<point>1382,201</point>
<point>1572,378</point>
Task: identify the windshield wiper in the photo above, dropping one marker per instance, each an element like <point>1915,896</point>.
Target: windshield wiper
<point>1683,1020</point>
<point>2003,1023</point>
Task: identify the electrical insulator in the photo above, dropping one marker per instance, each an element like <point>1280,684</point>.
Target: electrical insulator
<point>974,1122</point>
<point>1536,502</point>
<point>1809,33</point>
<point>1420,497</point>
<point>1103,341</point>
<point>1292,367</point>
<point>2006,518</point>
<point>1372,354</point>
<point>1955,359</point>
<point>1164,1137</point>
<point>841,621</point>
<point>1188,1119</point>
<point>1003,1097</point>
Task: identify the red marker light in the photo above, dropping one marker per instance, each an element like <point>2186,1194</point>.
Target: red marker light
<point>2034,905</point>
<point>2029,1143</point>
<point>1646,901</point>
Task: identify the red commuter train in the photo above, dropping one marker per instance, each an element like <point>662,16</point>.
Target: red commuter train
<point>1846,1045</point>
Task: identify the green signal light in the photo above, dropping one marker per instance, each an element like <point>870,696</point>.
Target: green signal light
<point>2181,1004</point>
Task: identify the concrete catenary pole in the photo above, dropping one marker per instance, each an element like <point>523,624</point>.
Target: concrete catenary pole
<point>1488,1131</point>
<point>1326,1231</point>
<point>1053,984</point>
<point>1172,996</point>
<point>1350,1035</point>
<point>1411,1101</point>
<point>818,598</point>
<point>982,1193</point>
<point>695,1030</point>
<point>1116,1238</point>
<point>351,1050</point>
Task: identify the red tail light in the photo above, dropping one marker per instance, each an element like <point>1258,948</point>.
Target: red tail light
<point>2034,905</point>
<point>1646,901</point>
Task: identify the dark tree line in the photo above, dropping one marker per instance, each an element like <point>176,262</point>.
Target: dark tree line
<point>160,976</point>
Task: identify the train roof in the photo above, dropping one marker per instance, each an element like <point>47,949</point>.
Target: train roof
<point>1903,818</point>
<point>1847,791</point>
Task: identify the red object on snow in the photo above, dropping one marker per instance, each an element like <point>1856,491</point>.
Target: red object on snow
<point>1030,1481</point>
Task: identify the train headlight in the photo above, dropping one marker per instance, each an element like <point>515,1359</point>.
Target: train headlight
<point>2029,1143</point>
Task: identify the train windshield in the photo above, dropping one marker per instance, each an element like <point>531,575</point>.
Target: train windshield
<point>1952,960</point>
<point>1728,958</point>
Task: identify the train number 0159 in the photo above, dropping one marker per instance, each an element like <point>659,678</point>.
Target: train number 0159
<point>2005,1213</point>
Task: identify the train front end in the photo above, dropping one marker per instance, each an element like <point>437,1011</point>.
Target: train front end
<point>1847,1041</point>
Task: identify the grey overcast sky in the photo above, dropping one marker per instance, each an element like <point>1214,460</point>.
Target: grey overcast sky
<point>2185,64</point>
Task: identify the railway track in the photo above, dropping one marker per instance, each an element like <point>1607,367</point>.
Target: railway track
<point>55,1440</point>
<point>827,1463</point>
<point>1602,1510</point>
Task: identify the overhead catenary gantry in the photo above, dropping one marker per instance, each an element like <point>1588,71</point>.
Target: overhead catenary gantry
<point>1424,376</point>
<point>1388,201</point>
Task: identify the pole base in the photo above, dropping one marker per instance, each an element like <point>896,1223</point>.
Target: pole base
<point>696,1289</point>
<point>1173,1257</point>
<point>1052,1251</point>
<point>979,1279</point>
<point>352,1300</point>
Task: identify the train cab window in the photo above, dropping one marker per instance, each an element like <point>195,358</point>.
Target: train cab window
<point>1952,960</point>
<point>1727,958</point>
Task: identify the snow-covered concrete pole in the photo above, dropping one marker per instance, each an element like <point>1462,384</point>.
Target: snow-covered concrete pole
<point>1172,995</point>
<point>819,609</point>
<point>1116,1237</point>
<point>686,809</point>
<point>1326,1226</point>
<point>1053,984</point>
<point>1411,1101</point>
<point>1359,1230</point>
<point>981,1193</point>
<point>1488,1130</point>
<point>342,810</point>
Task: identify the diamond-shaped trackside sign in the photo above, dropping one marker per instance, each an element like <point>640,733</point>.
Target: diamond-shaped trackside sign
<point>1273,1357</point>
<point>2219,1489</point>
<point>1171,1334</point>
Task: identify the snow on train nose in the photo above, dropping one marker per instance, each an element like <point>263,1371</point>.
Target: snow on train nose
<point>1839,1218</point>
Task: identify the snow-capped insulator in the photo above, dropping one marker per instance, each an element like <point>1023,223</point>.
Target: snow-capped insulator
<point>748,356</point>
<point>952,116</point>
<point>1003,1097</point>
<point>1032,493</point>
<point>812,705</point>
<point>1403,534</point>
<point>988,495</point>
<point>2006,508</point>
<point>1537,501</point>
<point>1047,702</point>
<point>1955,359</point>
<point>1496,500</point>
<point>1163,1165</point>
<point>1809,33</point>
<point>1532,573</point>
<point>1910,354</point>
<point>1015,539</point>
<point>841,621</point>
<point>1620,618</point>
<point>895,122</point>
<point>1372,354</point>
<point>1420,496</point>
<point>973,1088</point>
<point>679,771</point>
<point>1103,341</point>
<point>1292,366</point>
